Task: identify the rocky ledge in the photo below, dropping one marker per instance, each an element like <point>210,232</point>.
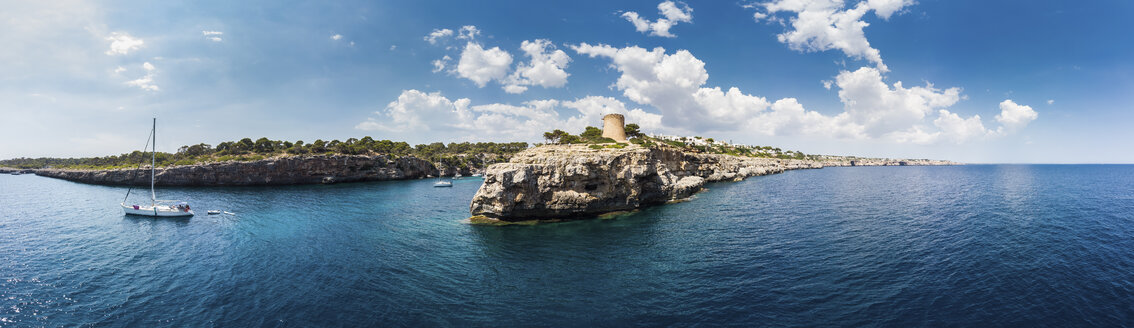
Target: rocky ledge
<point>272,171</point>
<point>569,181</point>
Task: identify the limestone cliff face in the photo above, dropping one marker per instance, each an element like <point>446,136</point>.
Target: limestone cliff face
<point>273,171</point>
<point>574,180</point>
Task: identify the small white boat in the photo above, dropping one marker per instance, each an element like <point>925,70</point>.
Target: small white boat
<point>477,175</point>
<point>157,208</point>
<point>16,173</point>
<point>443,184</point>
<point>214,212</point>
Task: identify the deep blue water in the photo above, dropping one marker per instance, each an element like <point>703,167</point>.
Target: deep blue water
<point>979,245</point>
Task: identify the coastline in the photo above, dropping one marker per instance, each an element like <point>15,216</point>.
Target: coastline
<point>565,182</point>
<point>288,170</point>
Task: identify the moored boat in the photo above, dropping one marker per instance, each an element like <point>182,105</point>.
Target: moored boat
<point>157,208</point>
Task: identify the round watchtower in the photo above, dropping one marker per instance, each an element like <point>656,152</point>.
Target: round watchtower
<point>614,127</point>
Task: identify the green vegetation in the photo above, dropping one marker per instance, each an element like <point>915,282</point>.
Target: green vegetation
<point>592,136</point>
<point>453,154</point>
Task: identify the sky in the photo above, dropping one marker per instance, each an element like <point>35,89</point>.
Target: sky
<point>971,81</point>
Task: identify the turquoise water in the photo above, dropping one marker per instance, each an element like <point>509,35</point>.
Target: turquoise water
<point>980,245</point>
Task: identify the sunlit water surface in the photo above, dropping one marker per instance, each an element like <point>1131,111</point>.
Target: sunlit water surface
<point>980,245</point>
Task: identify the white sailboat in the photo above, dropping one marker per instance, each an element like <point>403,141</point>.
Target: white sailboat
<point>441,182</point>
<point>156,208</point>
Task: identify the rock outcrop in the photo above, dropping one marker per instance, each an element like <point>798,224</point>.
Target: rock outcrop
<point>565,181</point>
<point>272,171</point>
<point>574,180</point>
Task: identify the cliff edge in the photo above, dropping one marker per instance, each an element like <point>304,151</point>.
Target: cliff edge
<point>273,171</point>
<point>563,181</point>
<point>566,181</point>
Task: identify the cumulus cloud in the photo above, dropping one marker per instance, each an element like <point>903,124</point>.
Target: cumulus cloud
<point>437,35</point>
<point>821,25</point>
<point>1014,116</point>
<point>1050,101</point>
<point>483,65</point>
<point>872,109</point>
<point>880,108</point>
<point>672,13</point>
<point>441,64</point>
<point>214,36</point>
<point>546,67</point>
<point>146,82</point>
<point>468,32</point>
<point>337,37</point>
<point>122,43</point>
<point>419,111</point>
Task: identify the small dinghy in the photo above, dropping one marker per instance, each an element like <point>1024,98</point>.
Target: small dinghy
<point>214,212</point>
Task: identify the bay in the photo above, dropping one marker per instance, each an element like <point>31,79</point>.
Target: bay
<point>975,245</point>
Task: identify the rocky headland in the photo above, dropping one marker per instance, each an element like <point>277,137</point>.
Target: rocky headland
<point>272,171</point>
<point>570,181</point>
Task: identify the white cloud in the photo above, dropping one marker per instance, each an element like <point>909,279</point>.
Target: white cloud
<point>672,13</point>
<point>214,36</point>
<point>420,111</point>
<point>122,43</point>
<point>546,67</point>
<point>957,129</point>
<point>447,119</point>
<point>145,82</point>
<point>337,37</point>
<point>441,64</point>
<point>674,84</point>
<point>1050,101</point>
<point>468,32</point>
<point>886,8</point>
<point>515,89</point>
<point>880,109</point>
<point>1014,116</point>
<point>437,35</point>
<point>821,25</point>
<point>592,108</point>
<point>481,66</point>
<point>119,69</point>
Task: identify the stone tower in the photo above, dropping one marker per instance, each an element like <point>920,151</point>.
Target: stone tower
<point>614,127</point>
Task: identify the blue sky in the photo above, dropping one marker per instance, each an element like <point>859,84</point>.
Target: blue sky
<point>973,81</point>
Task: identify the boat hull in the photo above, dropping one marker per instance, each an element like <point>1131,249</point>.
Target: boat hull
<point>155,211</point>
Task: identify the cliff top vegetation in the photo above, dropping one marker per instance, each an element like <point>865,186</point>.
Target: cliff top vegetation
<point>455,154</point>
<point>593,136</point>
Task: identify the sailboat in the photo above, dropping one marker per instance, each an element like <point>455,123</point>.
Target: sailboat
<point>441,182</point>
<point>157,208</point>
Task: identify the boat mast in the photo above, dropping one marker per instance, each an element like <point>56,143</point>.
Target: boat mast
<point>153,164</point>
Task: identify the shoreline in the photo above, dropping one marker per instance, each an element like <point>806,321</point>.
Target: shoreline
<point>288,170</point>
<point>568,182</point>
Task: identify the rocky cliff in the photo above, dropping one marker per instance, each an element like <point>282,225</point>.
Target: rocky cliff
<point>273,171</point>
<point>565,181</point>
<point>575,180</point>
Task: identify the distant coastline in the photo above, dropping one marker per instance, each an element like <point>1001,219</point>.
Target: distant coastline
<point>284,170</point>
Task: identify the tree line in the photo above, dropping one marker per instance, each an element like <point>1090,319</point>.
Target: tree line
<point>247,149</point>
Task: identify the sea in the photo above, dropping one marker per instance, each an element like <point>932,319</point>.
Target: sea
<point>964,246</point>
